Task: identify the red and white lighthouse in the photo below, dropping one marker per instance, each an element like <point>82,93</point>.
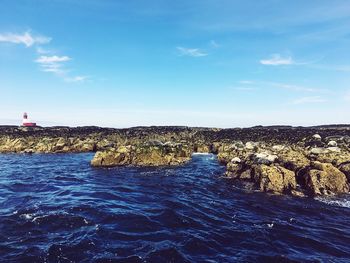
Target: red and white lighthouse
<point>26,122</point>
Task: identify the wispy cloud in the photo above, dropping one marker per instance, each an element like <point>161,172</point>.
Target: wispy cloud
<point>52,59</point>
<point>291,87</point>
<point>48,60</point>
<point>277,60</point>
<point>53,64</point>
<point>76,79</point>
<point>214,44</point>
<point>247,82</point>
<point>295,87</point>
<point>191,52</point>
<point>41,50</point>
<point>26,38</point>
<point>312,99</point>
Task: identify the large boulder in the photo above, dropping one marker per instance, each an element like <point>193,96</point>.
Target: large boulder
<point>274,179</point>
<point>149,154</point>
<point>110,158</point>
<point>324,179</point>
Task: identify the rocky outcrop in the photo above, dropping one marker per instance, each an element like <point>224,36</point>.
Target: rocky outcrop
<point>311,166</point>
<point>279,159</point>
<point>148,154</point>
<point>274,178</point>
<point>324,179</point>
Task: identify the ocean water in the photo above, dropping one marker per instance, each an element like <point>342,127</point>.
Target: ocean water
<point>56,208</point>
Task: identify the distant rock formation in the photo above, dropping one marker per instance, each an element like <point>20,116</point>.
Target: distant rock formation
<point>279,159</point>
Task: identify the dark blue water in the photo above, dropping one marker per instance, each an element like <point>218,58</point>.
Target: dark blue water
<point>56,208</point>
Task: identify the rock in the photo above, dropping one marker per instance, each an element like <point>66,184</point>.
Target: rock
<point>324,179</point>
<point>336,158</point>
<point>332,144</point>
<point>275,179</point>
<point>314,141</point>
<point>264,158</point>
<point>334,149</point>
<point>246,175</point>
<point>278,148</point>
<point>345,168</point>
<point>293,159</point>
<point>234,170</point>
<point>202,148</point>
<point>236,160</point>
<point>319,150</point>
<point>238,145</point>
<point>316,136</point>
<point>149,154</point>
<point>61,142</point>
<point>251,145</point>
<point>224,157</point>
<point>110,158</point>
<point>29,151</point>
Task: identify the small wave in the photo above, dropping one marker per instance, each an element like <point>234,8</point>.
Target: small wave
<point>342,202</point>
<point>201,153</point>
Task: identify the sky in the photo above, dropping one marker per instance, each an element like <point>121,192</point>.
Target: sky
<point>208,63</point>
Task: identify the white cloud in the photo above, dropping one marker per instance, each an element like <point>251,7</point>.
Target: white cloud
<point>277,60</point>
<point>191,52</point>
<point>53,64</point>
<point>26,38</point>
<point>76,79</point>
<point>52,59</point>
<point>313,99</point>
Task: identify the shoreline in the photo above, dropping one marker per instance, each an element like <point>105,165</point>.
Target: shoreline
<point>301,161</point>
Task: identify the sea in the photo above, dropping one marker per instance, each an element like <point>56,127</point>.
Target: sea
<point>57,208</point>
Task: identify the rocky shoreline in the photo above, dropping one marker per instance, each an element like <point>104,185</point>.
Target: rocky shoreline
<point>302,161</point>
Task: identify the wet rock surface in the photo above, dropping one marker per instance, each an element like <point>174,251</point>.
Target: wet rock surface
<point>278,159</point>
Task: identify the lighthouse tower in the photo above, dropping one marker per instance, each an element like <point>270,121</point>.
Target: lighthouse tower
<point>26,122</point>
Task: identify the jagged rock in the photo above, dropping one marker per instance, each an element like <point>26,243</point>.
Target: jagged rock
<point>246,174</point>
<point>345,168</point>
<point>224,157</point>
<point>234,170</point>
<point>149,154</point>
<point>324,179</point>
<point>110,158</point>
<point>336,158</point>
<point>275,179</point>
<point>61,142</point>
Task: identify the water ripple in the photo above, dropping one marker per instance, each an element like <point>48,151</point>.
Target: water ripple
<point>56,208</point>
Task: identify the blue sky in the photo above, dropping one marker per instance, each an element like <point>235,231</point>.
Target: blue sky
<point>214,63</point>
